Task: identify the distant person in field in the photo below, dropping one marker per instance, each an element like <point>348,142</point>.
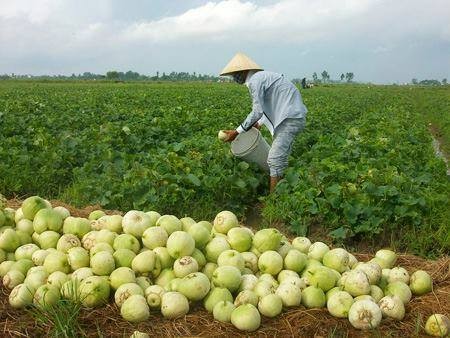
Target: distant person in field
<point>304,85</point>
<point>277,104</point>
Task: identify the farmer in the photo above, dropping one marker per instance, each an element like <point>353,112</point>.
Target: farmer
<point>277,104</point>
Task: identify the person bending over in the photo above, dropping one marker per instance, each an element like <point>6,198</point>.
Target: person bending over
<point>276,104</point>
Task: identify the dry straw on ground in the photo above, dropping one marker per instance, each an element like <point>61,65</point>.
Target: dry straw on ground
<point>297,322</point>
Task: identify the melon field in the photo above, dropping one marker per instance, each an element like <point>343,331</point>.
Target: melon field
<point>364,175</point>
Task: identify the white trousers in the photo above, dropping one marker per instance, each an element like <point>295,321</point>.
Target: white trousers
<point>281,148</point>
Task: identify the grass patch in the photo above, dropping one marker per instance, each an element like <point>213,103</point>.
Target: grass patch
<point>62,318</point>
<point>59,320</point>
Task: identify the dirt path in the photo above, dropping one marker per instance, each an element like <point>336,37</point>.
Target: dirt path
<point>437,145</point>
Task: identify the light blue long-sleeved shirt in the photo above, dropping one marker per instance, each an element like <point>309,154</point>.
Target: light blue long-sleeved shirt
<point>274,99</point>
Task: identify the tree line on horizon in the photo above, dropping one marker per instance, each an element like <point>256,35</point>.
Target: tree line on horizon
<point>429,82</point>
<point>114,75</point>
<point>118,76</point>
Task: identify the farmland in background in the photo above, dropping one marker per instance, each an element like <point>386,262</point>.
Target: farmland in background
<point>363,168</point>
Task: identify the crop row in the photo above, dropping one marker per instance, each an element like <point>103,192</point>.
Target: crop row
<point>363,167</point>
<point>126,146</point>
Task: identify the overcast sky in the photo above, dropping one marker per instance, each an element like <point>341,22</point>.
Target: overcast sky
<point>382,41</point>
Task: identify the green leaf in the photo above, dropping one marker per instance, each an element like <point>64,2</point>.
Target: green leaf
<point>240,183</point>
<point>126,130</point>
<point>253,182</point>
<point>351,212</point>
<point>178,146</point>
<point>292,177</point>
<point>339,233</point>
<point>243,166</point>
<point>194,179</point>
<point>301,229</point>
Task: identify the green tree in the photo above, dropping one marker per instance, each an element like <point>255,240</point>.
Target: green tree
<point>325,76</point>
<point>131,75</point>
<point>349,76</point>
<point>315,77</point>
<point>112,75</point>
<point>444,81</point>
<point>342,77</point>
<point>431,82</point>
<point>414,81</point>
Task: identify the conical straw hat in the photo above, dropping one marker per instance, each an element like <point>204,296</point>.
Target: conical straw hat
<point>239,63</point>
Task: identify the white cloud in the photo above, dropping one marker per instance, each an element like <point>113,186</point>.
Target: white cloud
<point>208,20</point>
<point>305,52</point>
<point>283,22</point>
<point>288,20</point>
<point>381,49</point>
<point>53,27</point>
<point>34,11</point>
<point>54,13</point>
<point>63,36</point>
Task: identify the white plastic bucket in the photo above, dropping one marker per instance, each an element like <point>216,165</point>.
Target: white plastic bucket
<point>251,147</point>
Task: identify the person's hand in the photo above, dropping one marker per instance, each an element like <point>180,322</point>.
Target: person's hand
<point>257,126</point>
<point>231,135</point>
